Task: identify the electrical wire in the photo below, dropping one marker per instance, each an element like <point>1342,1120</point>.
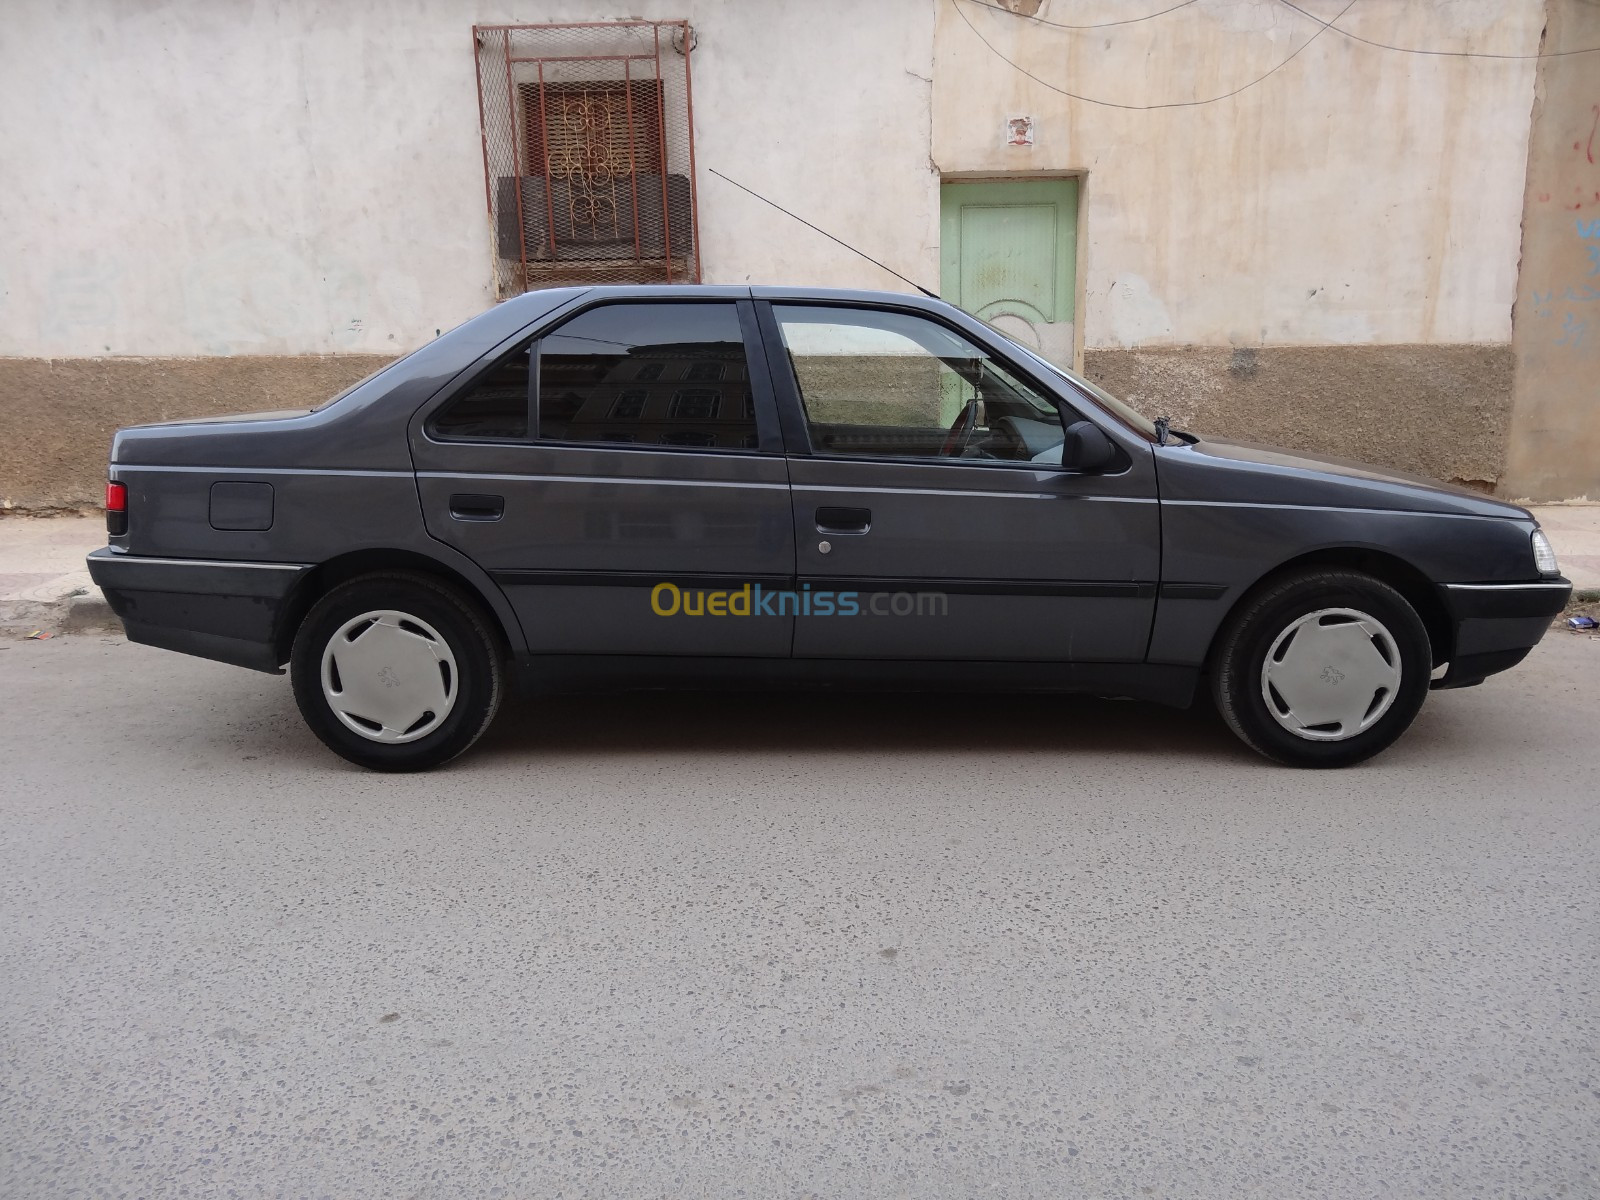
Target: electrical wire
<point>1431,53</point>
<point>1310,16</point>
<point>1325,26</point>
<point>825,233</point>
<point>1100,25</point>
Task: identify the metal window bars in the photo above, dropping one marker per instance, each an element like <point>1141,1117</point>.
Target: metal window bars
<point>588,153</point>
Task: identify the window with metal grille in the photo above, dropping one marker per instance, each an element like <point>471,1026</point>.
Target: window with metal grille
<point>589,153</point>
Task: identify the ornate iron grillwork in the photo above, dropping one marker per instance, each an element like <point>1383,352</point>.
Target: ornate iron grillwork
<point>588,153</point>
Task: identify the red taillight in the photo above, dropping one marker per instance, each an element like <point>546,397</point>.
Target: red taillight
<point>116,508</point>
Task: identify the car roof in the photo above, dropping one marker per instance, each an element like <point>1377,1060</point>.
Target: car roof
<point>726,291</point>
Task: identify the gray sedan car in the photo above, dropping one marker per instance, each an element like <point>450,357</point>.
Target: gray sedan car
<point>750,486</point>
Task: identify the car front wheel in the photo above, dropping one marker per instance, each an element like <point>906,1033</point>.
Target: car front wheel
<point>1322,668</point>
<point>396,672</point>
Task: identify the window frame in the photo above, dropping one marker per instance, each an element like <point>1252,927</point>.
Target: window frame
<point>770,439</point>
<point>792,411</point>
<point>430,424</point>
<point>515,65</point>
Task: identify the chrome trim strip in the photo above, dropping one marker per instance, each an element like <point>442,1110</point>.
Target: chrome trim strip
<point>915,491</point>
<point>1108,589</point>
<point>1382,512</point>
<point>1505,587</point>
<point>117,467</point>
<point>202,562</point>
<point>621,479</point>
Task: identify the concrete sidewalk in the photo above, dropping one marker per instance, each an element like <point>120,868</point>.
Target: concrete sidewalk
<point>1574,530</point>
<point>45,585</point>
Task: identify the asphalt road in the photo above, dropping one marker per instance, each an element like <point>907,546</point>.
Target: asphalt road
<point>791,946</point>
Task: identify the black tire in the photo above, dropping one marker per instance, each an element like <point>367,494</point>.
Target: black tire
<point>1249,635</point>
<point>458,622</point>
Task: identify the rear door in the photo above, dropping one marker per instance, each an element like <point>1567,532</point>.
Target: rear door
<point>628,458</point>
<point>933,519</point>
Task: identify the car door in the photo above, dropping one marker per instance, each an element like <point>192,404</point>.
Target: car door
<point>933,519</point>
<point>627,456</point>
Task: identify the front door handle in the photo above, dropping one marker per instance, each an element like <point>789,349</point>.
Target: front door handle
<point>471,507</point>
<point>844,520</point>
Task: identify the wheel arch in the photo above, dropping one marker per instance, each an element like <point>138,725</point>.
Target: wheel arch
<point>1403,577</point>
<point>345,567</point>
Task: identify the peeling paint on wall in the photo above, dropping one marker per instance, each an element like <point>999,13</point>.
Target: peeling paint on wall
<point>1136,314</point>
<point>1554,442</point>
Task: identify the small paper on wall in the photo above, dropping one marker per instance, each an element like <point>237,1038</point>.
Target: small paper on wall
<point>1019,131</point>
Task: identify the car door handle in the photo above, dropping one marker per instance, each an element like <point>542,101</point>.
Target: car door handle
<point>470,507</point>
<point>844,520</point>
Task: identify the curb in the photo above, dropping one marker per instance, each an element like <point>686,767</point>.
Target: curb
<point>89,614</point>
<point>82,610</point>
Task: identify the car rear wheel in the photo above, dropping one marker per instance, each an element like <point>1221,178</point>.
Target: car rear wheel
<point>1322,668</point>
<point>396,672</point>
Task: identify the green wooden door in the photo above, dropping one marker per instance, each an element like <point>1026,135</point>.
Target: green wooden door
<point>1008,254</point>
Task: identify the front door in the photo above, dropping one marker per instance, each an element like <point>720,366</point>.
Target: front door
<point>1008,254</point>
<point>933,519</point>
<point>622,479</point>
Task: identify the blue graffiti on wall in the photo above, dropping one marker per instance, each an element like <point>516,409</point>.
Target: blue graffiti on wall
<point>1574,329</point>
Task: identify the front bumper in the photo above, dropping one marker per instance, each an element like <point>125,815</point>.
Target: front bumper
<point>228,611</point>
<point>1496,624</point>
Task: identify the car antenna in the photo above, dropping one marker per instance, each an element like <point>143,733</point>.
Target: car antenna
<point>826,234</point>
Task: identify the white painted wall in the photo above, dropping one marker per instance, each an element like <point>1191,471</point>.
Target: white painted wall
<point>304,176</point>
<point>1358,195</point>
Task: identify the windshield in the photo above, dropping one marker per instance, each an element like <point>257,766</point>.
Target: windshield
<point>1125,413</point>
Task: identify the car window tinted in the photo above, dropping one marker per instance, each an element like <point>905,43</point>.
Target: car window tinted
<point>894,384</point>
<point>494,406</point>
<point>664,375</point>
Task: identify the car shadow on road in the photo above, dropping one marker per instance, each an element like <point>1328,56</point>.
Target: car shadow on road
<point>719,722</point>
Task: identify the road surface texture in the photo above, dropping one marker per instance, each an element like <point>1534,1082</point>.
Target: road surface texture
<point>842,947</point>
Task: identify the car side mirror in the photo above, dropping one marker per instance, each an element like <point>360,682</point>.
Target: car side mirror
<point>1086,448</point>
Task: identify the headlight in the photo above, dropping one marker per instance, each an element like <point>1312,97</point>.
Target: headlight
<point>1544,555</point>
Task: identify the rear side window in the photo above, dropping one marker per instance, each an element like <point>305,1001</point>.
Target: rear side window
<point>660,375</point>
<point>495,406</point>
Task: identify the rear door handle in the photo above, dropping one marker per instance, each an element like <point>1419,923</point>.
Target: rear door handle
<point>844,520</point>
<point>466,506</point>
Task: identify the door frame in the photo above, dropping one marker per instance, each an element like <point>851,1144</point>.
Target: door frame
<point>508,461</point>
<point>1080,264</point>
<point>811,471</point>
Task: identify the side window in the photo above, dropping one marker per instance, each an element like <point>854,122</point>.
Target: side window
<point>662,375</point>
<point>494,406</point>
<point>893,384</point>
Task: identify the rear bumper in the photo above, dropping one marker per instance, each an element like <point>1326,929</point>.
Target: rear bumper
<point>226,611</point>
<point>1496,624</point>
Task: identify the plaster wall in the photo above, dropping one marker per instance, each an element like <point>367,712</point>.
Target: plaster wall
<point>203,202</point>
<point>218,177</point>
<point>1439,411</point>
<point>1554,445</point>
<point>1357,196</point>
<point>59,414</point>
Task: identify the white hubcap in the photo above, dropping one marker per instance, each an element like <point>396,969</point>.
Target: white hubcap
<point>389,676</point>
<point>1331,674</point>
